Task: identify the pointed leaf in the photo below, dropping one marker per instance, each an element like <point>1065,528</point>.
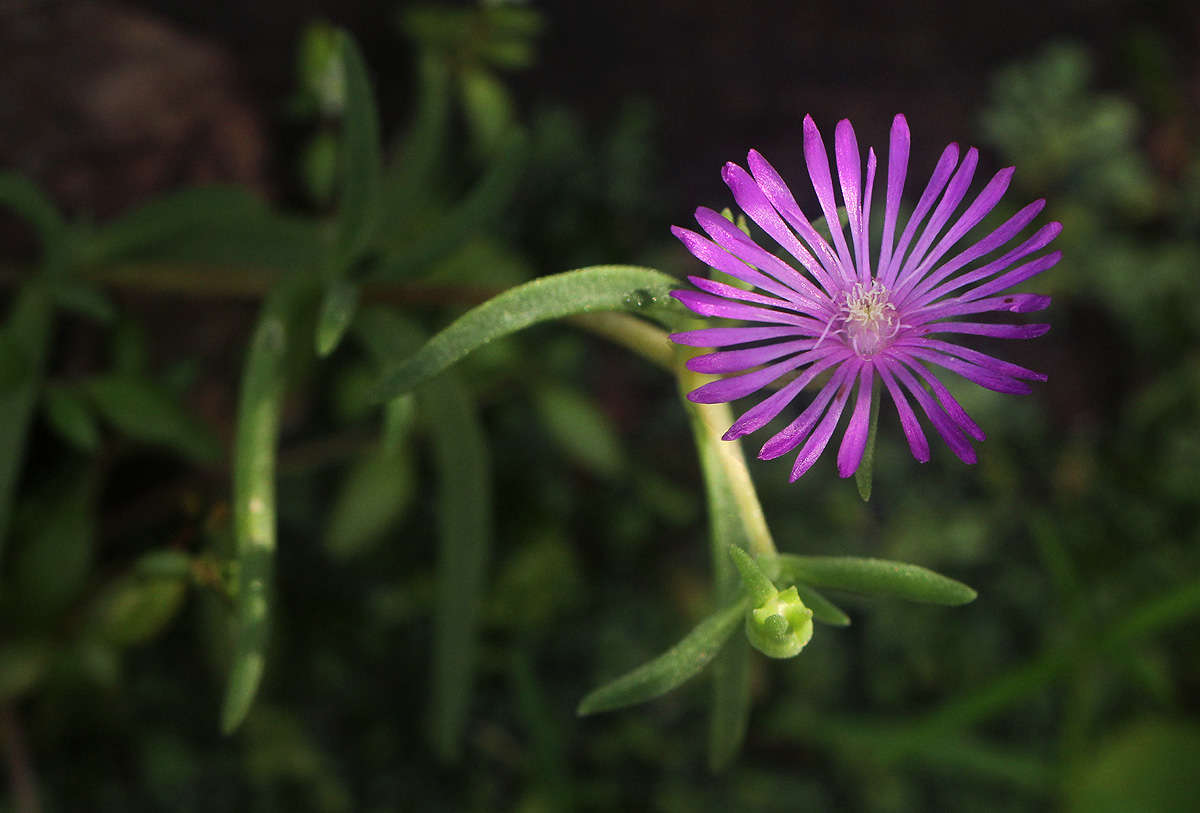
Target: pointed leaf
<point>23,197</point>
<point>730,703</point>
<point>85,299</point>
<point>822,608</point>
<point>581,429</point>
<point>143,410</point>
<point>465,519</point>
<point>72,418</point>
<point>362,162</point>
<point>336,314</point>
<point>374,496</point>
<point>605,287</point>
<point>879,577</point>
<point>674,667</point>
<point>866,468</point>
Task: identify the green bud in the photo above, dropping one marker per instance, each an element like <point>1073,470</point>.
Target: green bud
<point>778,625</point>
<point>781,627</point>
<point>321,70</point>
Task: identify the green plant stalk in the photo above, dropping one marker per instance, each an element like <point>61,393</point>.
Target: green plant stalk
<point>259,411</point>
<point>735,518</point>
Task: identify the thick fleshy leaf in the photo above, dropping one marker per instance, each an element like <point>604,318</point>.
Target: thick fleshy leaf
<point>600,288</point>
<point>259,410</point>
<point>875,577</point>
<point>674,667</point>
<point>362,162</point>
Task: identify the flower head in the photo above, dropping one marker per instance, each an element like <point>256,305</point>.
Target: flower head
<point>857,316</point>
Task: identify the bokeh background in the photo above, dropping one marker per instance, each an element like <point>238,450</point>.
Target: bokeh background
<point>1071,683</point>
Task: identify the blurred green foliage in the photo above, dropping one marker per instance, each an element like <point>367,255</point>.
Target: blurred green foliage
<point>1068,685</point>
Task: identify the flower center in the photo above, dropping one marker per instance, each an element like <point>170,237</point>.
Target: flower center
<point>869,320</point>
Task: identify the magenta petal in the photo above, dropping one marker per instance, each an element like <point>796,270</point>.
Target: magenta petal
<point>1012,303</point>
<point>987,329</point>
<point>712,255</point>
<point>947,428</point>
<point>1038,241</point>
<point>862,249</point>
<point>979,208</point>
<point>982,359</point>
<point>1016,276</point>
<point>949,403</point>
<point>732,361</point>
<point>727,291</point>
<point>709,305</point>
<point>849,167</point>
<point>819,439</point>
<point>1001,235</point>
<point>756,206</point>
<point>731,389</point>
<point>956,190</point>
<point>818,171</point>
<point>794,433</point>
<point>986,378</point>
<point>917,442</point>
<point>937,181</point>
<point>731,238</point>
<point>854,442</point>
<point>897,169</point>
<point>727,336</point>
<point>765,411</point>
<point>784,201</point>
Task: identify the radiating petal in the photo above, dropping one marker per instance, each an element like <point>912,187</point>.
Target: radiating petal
<point>937,181</point>
<point>849,167</point>
<point>854,442</point>
<point>984,202</point>
<point>708,305</point>
<point>732,239</point>
<point>731,389</point>
<point>781,197</point>
<point>988,379</point>
<point>982,359</point>
<point>794,433</point>
<point>728,291</point>
<point>945,426</point>
<point>956,190</point>
<point>818,172</point>
<point>756,206</point>
<point>1041,238</point>
<point>765,411</point>
<point>819,439</point>
<point>897,169</point>
<point>1015,277</point>
<point>917,442</point>
<point>993,331</point>
<point>712,255</point>
<point>949,403</point>
<point>863,247</point>
<point>727,336</point>
<point>1001,235</point>
<point>1012,303</point>
<point>732,361</point>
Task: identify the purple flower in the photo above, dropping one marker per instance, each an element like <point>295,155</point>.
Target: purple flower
<point>855,316</point>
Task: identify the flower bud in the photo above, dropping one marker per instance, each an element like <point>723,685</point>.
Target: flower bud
<point>781,627</point>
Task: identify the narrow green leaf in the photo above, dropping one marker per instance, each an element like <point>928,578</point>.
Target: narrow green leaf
<point>488,107</point>
<point>674,667</point>
<point>263,389</point>
<point>336,314</point>
<point>362,162</point>
<point>599,288</point>
<point>85,299</point>
<point>730,712</point>
<point>465,519</point>
<point>134,608</point>
<point>758,587</point>
<point>584,432</point>
<point>143,410</point>
<point>399,417</point>
<point>866,468</point>
<point>823,609</point>
<point>71,417</point>
<point>487,201</point>
<point>15,370</point>
<point>23,197</point>
<point>27,336</point>
<point>415,160</point>
<point>878,577</point>
<point>374,495</point>
<point>171,216</point>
